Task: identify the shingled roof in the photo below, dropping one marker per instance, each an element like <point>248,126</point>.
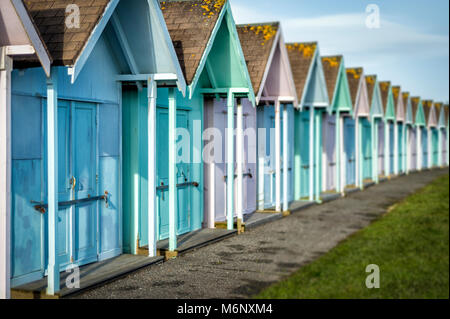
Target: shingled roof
<point>64,44</point>
<point>446,113</point>
<point>427,105</point>
<point>384,90</point>
<point>405,97</point>
<point>396,91</point>
<point>331,65</point>
<point>301,57</point>
<point>257,41</point>
<point>438,108</point>
<point>415,106</point>
<point>354,81</point>
<point>371,80</point>
<point>190,24</point>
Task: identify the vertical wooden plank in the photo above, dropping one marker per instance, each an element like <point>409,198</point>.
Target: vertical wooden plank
<point>338,151</point>
<point>152,89</point>
<point>318,151</point>
<point>358,153</point>
<point>375,151</point>
<point>440,148</point>
<point>418,149</point>
<point>277,156</point>
<point>240,161</point>
<point>286,159</point>
<point>387,142</point>
<point>230,161</point>
<point>52,180</point>
<point>5,175</point>
<point>172,170</point>
<point>361,154</point>
<point>343,159</point>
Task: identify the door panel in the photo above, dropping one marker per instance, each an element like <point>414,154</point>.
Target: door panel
<point>381,149</point>
<point>64,190</point>
<point>424,133</point>
<point>305,149</point>
<point>84,170</point>
<point>367,149</point>
<point>183,172</point>
<point>329,139</point>
<point>391,147</point>
<point>349,144</point>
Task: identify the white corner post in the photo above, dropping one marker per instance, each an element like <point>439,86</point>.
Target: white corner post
<point>405,147</point>
<point>285,159</point>
<point>430,148</point>
<point>338,152</point>
<point>239,162</point>
<point>152,90</point>
<point>53,286</point>
<point>408,149</point>
<point>261,166</point>
<point>172,170</point>
<point>312,148</point>
<point>387,148</point>
<point>419,151</point>
<point>317,161</point>
<point>357,153</point>
<point>5,174</point>
<point>375,169</point>
<point>440,148</point>
<point>230,161</point>
<point>396,148</point>
<point>343,159</point>
<point>277,156</point>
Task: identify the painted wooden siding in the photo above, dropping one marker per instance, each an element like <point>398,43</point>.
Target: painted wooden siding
<point>96,85</point>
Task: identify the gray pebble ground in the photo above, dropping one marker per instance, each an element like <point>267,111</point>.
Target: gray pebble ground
<point>241,266</point>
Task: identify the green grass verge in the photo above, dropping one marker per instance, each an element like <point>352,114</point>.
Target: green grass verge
<point>410,244</point>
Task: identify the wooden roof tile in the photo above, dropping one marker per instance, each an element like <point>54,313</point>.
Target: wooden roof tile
<point>331,65</point>
<point>190,24</point>
<point>65,44</point>
<point>301,56</point>
<point>257,41</point>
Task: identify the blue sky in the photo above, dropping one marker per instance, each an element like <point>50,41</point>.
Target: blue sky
<point>411,47</point>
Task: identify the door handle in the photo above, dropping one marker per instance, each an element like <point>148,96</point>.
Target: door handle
<point>73,183</point>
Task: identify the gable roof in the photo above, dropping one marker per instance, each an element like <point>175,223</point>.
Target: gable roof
<point>331,67</point>
<point>257,41</point>
<point>438,112</point>
<point>65,44</point>
<point>371,81</point>
<point>446,113</point>
<point>405,97</point>
<point>191,24</point>
<point>384,89</point>
<point>354,78</point>
<point>396,90</point>
<point>301,56</point>
<point>415,101</point>
<point>17,28</point>
<point>427,105</point>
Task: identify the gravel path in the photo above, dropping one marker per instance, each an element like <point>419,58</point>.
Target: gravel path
<point>241,266</point>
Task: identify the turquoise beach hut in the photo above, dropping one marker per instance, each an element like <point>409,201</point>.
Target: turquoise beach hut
<point>312,91</point>
<point>69,202</point>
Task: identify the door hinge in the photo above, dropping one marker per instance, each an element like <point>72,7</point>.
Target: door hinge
<point>96,179</point>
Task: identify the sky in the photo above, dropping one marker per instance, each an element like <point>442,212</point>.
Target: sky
<point>410,48</point>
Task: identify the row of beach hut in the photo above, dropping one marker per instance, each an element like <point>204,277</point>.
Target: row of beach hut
<point>91,118</point>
